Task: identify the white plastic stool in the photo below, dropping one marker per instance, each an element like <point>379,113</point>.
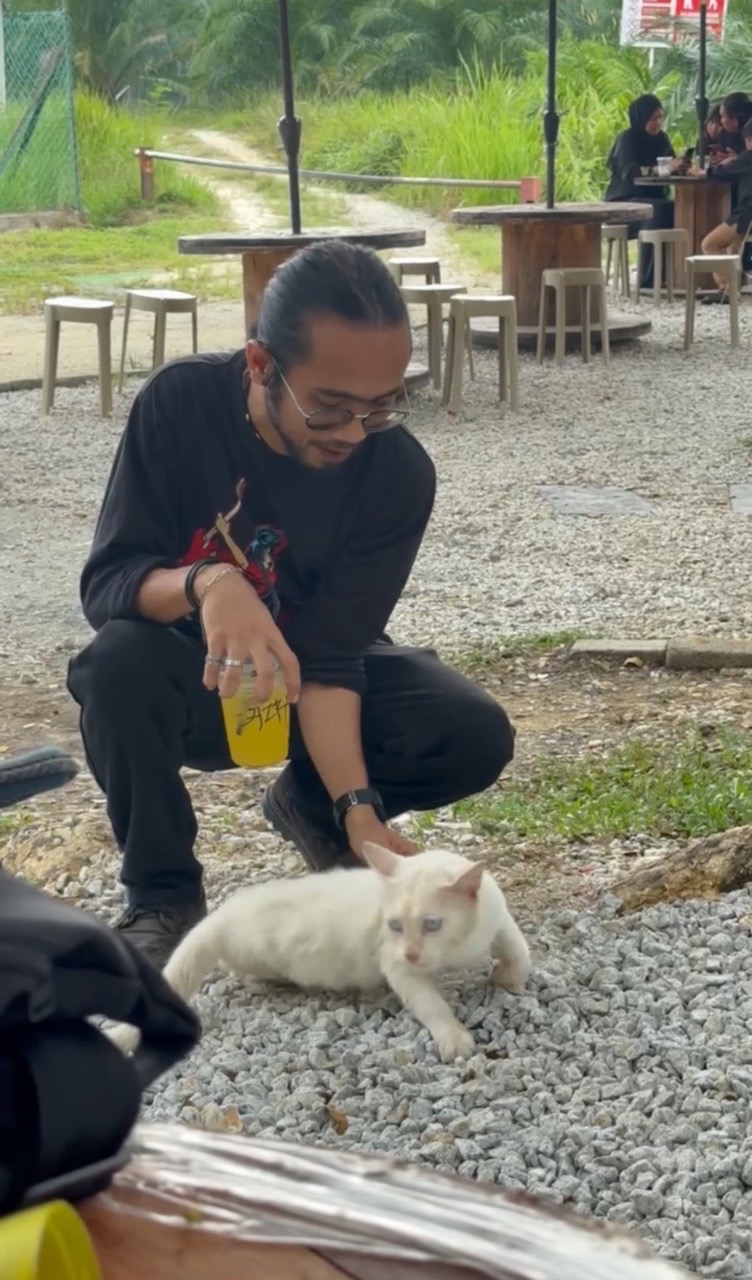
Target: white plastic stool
<point>560,279</point>
<point>428,268</point>
<point>617,237</point>
<point>78,311</point>
<point>672,239</point>
<point>433,297</point>
<point>462,309</point>
<point>161,303</point>
<point>698,264</point>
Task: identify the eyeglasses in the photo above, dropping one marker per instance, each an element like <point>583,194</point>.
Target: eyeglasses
<point>329,419</point>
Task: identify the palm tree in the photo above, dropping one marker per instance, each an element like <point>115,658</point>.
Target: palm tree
<point>134,43</point>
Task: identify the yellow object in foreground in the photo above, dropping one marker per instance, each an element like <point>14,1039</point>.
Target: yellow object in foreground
<point>257,736</point>
<point>49,1242</point>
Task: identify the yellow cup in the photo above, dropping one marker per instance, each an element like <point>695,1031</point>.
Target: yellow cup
<point>257,735</point>
<point>49,1242</point>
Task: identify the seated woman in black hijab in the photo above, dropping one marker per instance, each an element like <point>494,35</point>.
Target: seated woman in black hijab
<point>638,148</point>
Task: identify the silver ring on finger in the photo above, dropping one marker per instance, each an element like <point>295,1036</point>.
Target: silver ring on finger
<point>233,662</point>
<point>211,661</point>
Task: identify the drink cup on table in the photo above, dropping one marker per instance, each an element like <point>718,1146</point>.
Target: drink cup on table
<point>664,166</point>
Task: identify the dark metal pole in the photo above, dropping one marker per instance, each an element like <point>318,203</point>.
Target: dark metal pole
<point>550,118</point>
<point>701,101</point>
<point>289,125</point>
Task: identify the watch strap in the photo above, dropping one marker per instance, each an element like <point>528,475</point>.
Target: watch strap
<point>351,800</point>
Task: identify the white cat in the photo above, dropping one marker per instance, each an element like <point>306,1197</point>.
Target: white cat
<point>403,919</point>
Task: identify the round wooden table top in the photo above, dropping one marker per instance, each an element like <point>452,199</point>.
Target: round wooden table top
<point>678,180</point>
<point>236,242</point>
<point>493,215</point>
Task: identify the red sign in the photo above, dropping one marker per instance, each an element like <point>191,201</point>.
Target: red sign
<point>689,11</point>
<point>660,22</point>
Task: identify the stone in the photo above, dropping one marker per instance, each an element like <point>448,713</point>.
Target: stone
<point>714,653</point>
<point>740,499</point>
<point>593,500</point>
<point>620,650</point>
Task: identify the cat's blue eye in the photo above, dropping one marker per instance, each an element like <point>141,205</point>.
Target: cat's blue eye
<point>395,926</point>
<point>432,924</point>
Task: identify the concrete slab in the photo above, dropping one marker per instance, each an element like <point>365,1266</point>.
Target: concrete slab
<point>593,500</point>
<point>620,650</point>
<point>699,654</point>
<point>740,499</point>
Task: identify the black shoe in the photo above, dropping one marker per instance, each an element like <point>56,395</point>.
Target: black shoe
<point>319,842</point>
<point>156,931</point>
<point>715,299</point>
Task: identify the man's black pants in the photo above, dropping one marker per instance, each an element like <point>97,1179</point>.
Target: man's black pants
<point>430,737</point>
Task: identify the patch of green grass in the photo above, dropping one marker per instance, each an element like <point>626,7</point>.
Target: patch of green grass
<point>126,243</point>
<point>110,185</point>
<point>692,787</point>
<point>489,657</point>
<point>319,208</point>
<point>110,182</point>
<point>83,259</point>
<point>477,124</point>
<point>11,822</point>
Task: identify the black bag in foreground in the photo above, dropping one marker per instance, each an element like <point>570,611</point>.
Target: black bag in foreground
<point>68,1096</point>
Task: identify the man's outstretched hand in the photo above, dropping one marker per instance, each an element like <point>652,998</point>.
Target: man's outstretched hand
<point>363,825</point>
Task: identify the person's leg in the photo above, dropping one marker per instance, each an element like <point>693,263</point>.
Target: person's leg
<point>145,714</point>
<point>430,737</point>
<point>722,239</point>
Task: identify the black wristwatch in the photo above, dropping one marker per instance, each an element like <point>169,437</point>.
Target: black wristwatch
<point>351,800</point>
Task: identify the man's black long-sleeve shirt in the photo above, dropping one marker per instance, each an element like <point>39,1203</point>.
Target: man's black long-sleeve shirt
<point>192,480</point>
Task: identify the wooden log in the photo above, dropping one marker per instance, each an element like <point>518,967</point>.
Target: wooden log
<point>705,869</point>
<point>129,1249</point>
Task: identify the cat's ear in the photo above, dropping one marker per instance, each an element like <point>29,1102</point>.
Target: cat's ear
<point>381,859</point>
<point>468,884</point>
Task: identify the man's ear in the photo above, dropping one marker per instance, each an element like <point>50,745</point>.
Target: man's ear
<point>258,362</point>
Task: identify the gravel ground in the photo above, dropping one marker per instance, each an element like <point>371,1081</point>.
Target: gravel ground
<point>622,1082</point>
<point>496,560</point>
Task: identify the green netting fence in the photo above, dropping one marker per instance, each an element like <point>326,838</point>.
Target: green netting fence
<point>38,161</point>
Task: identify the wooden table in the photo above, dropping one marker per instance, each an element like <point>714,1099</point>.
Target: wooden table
<point>699,205</point>
<point>261,255</point>
<point>534,239</point>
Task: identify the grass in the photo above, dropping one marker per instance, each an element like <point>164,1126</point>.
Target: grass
<point>481,124</point>
<point>487,658</point>
<point>692,787</point>
<point>95,261</point>
<point>125,242</point>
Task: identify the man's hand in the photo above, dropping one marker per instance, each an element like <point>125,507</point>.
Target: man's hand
<point>239,626</point>
<point>362,825</point>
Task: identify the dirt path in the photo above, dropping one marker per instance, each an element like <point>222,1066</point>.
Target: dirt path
<point>362,211</point>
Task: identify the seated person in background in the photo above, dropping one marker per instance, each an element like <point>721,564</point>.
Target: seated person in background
<point>635,151</point>
<point>728,237</point>
<point>736,110</point>
<point>713,134</point>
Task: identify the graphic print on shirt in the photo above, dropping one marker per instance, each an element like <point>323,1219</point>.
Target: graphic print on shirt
<point>255,549</point>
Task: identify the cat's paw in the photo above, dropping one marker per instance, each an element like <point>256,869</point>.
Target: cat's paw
<point>511,975</point>
<point>454,1041</point>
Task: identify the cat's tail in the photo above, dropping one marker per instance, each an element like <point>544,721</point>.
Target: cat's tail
<point>186,969</point>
